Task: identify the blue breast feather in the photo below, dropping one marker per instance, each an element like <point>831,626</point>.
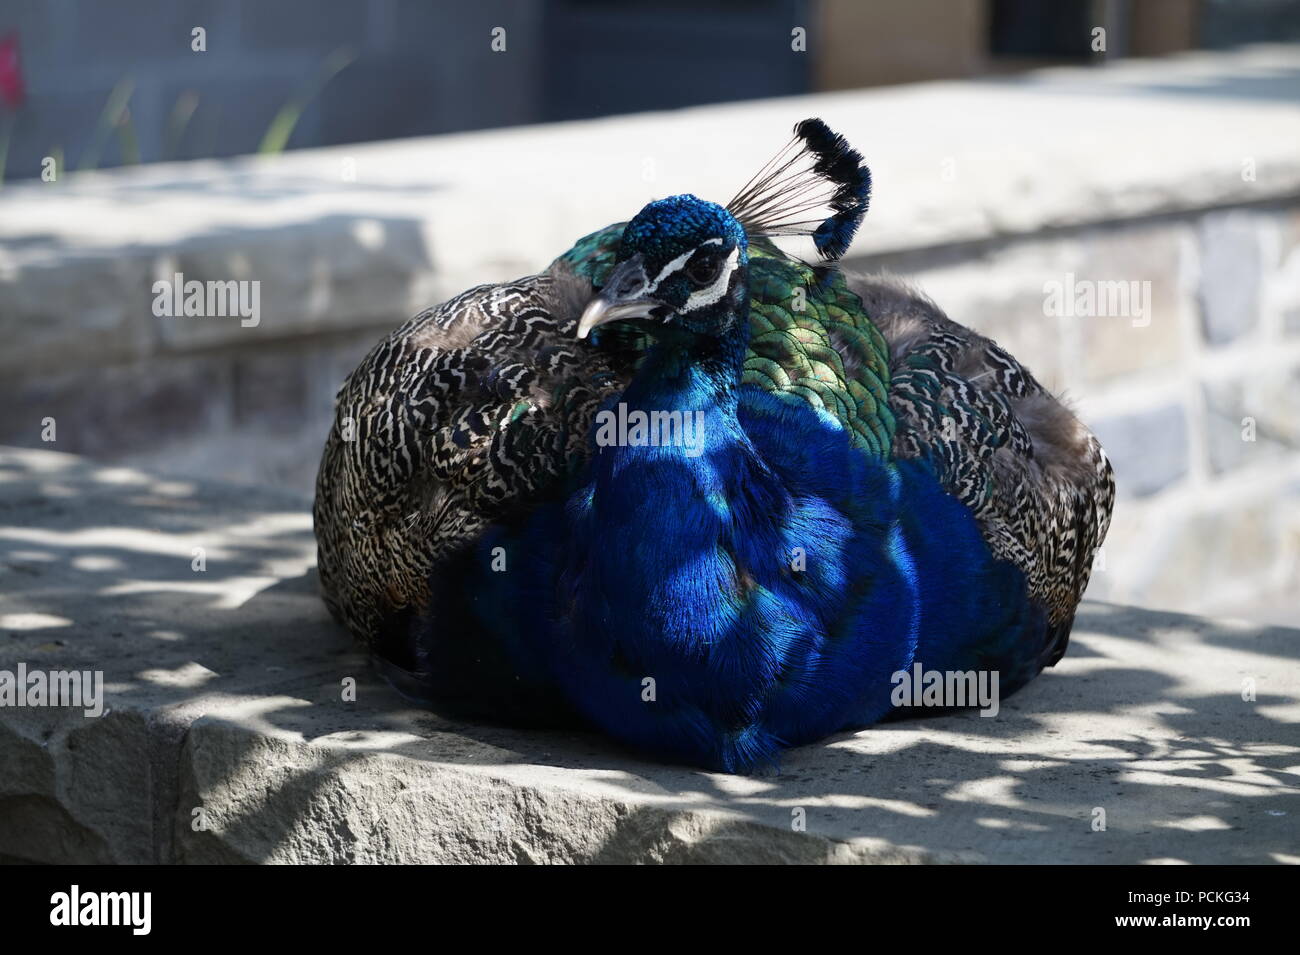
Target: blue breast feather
<point>681,569</point>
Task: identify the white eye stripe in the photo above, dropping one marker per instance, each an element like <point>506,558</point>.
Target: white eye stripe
<point>676,264</point>
<point>707,296</point>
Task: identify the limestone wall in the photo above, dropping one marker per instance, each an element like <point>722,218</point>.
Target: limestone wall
<point>1178,342</point>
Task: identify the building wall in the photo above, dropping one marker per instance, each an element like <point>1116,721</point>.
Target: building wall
<point>414,67</point>
<point>870,44</point>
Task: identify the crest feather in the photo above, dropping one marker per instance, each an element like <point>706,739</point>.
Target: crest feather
<point>817,170</point>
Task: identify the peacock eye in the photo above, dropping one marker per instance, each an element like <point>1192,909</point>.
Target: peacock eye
<point>704,271</point>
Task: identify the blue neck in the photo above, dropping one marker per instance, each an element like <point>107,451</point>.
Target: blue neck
<point>687,370</point>
<point>688,498</point>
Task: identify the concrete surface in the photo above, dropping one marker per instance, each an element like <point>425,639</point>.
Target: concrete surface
<point>226,737</point>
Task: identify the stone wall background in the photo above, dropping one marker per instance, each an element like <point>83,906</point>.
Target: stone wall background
<point>1199,410</point>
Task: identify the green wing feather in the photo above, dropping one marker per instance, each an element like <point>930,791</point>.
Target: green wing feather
<point>810,339</point>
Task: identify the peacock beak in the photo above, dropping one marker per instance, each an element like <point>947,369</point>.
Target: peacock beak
<point>601,310</point>
<point>624,296</point>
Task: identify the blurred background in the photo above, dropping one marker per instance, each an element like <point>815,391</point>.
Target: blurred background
<point>360,161</point>
<point>109,83</point>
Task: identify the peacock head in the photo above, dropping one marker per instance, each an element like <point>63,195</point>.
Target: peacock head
<point>683,262</point>
<point>681,265</point>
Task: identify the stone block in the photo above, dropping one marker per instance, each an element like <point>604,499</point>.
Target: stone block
<point>1129,302</point>
<point>339,272</point>
<point>271,388</point>
<point>1284,285</point>
<point>1148,448</point>
<point>1231,272</point>
<point>997,290</point>
<point>1253,419</point>
<point>120,409</point>
<point>1218,552</point>
<point>60,311</point>
<point>75,790</point>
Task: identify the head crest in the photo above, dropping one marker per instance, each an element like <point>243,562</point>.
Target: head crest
<point>816,170</point>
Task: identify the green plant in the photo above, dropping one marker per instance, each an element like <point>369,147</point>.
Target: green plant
<point>282,126</point>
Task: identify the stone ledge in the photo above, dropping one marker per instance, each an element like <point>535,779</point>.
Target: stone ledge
<point>224,695</point>
<point>369,234</point>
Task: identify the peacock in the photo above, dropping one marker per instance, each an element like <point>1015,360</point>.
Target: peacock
<point>703,496</point>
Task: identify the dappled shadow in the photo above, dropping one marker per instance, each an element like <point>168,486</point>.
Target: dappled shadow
<point>1144,720</point>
